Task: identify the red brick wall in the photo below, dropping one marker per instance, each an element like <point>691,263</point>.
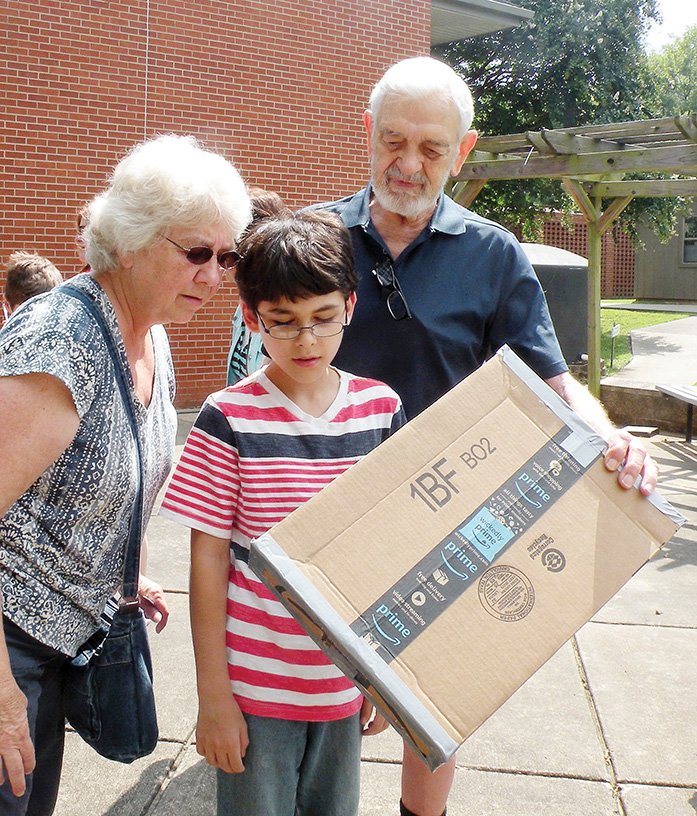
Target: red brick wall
<point>279,87</point>
<point>617,258</point>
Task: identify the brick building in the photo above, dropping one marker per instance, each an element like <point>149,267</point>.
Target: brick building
<point>278,87</point>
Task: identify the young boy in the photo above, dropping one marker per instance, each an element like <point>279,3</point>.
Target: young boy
<point>279,721</point>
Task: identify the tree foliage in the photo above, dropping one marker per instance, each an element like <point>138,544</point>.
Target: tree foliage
<point>674,70</point>
<point>577,62</point>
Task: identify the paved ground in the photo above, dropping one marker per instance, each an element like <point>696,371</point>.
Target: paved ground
<point>687,308</point>
<point>607,726</point>
<point>666,353</point>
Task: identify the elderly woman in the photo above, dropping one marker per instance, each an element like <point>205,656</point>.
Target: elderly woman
<point>160,239</point>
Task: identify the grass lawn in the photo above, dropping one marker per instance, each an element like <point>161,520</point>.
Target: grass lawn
<point>628,321</point>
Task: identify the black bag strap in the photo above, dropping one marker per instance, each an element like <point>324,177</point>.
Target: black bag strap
<point>129,599</point>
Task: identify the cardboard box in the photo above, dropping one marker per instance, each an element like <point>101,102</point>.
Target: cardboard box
<point>446,567</point>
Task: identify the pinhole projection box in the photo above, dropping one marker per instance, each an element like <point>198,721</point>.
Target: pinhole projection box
<point>442,570</point>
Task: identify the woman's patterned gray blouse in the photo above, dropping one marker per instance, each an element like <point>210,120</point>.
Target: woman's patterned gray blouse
<point>62,542</point>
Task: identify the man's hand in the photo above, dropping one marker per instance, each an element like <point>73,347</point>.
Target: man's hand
<point>152,601</point>
<point>371,726</point>
<point>16,749</point>
<point>628,453</point>
<point>625,453</point>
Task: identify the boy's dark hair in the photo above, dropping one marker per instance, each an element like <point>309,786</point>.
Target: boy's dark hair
<point>308,253</point>
<point>28,275</point>
<point>267,204</point>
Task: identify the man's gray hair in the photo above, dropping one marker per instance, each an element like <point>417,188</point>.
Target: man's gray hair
<point>164,182</point>
<point>422,78</point>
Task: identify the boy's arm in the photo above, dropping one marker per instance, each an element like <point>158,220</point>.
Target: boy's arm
<point>221,732</point>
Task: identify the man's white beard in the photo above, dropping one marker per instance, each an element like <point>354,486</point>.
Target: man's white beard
<point>408,205</point>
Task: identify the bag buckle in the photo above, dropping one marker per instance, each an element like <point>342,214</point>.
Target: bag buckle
<point>129,606</point>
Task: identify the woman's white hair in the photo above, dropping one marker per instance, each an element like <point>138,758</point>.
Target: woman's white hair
<point>164,182</point>
<point>424,78</point>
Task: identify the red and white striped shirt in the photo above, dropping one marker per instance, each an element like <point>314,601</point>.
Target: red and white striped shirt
<point>251,458</point>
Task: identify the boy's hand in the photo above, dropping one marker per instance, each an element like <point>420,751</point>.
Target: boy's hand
<point>371,726</point>
<point>221,735</point>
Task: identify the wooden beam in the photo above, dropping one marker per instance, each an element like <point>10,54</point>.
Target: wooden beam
<point>580,196</point>
<point>502,144</point>
<point>646,188</point>
<point>675,159</point>
<point>573,145</point>
<point>464,193</point>
<point>594,268</point>
<point>612,213</point>
<point>688,126</point>
<point>485,155</point>
<point>537,140</point>
<point>654,138</point>
<point>618,130</point>
<point>637,130</point>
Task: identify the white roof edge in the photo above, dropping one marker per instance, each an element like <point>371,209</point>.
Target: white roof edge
<point>495,8</point>
<point>462,19</point>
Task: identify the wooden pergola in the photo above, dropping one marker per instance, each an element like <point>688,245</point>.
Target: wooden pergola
<point>591,162</point>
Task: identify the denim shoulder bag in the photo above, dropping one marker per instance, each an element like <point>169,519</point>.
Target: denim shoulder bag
<point>108,692</point>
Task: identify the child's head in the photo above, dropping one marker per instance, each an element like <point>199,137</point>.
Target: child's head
<point>267,204</point>
<point>295,257</point>
<point>28,274</point>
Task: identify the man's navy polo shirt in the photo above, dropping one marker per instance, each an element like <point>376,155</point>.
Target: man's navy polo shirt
<point>470,289</point>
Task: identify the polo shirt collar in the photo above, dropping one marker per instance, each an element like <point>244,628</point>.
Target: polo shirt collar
<point>447,218</point>
<point>357,211</point>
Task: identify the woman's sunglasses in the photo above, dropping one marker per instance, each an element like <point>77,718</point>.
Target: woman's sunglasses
<point>200,255</point>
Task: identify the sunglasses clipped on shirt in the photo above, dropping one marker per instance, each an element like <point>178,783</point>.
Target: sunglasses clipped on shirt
<point>397,305</point>
<point>200,255</point>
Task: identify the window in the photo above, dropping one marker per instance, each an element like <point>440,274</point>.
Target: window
<point>689,241</point>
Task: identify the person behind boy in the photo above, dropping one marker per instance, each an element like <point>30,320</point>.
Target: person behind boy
<point>278,720</point>
<point>26,275</point>
<point>246,349</point>
<point>82,221</point>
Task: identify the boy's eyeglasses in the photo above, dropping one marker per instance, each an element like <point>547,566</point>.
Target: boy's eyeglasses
<point>394,297</point>
<point>200,255</point>
<point>289,331</point>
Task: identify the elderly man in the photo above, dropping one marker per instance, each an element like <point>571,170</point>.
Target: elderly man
<point>442,289</point>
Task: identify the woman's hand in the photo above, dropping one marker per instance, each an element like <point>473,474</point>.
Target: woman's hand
<point>152,601</point>
<point>16,749</point>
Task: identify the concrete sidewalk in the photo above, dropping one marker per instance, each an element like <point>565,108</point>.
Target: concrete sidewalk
<point>607,726</point>
<point>664,353</point>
